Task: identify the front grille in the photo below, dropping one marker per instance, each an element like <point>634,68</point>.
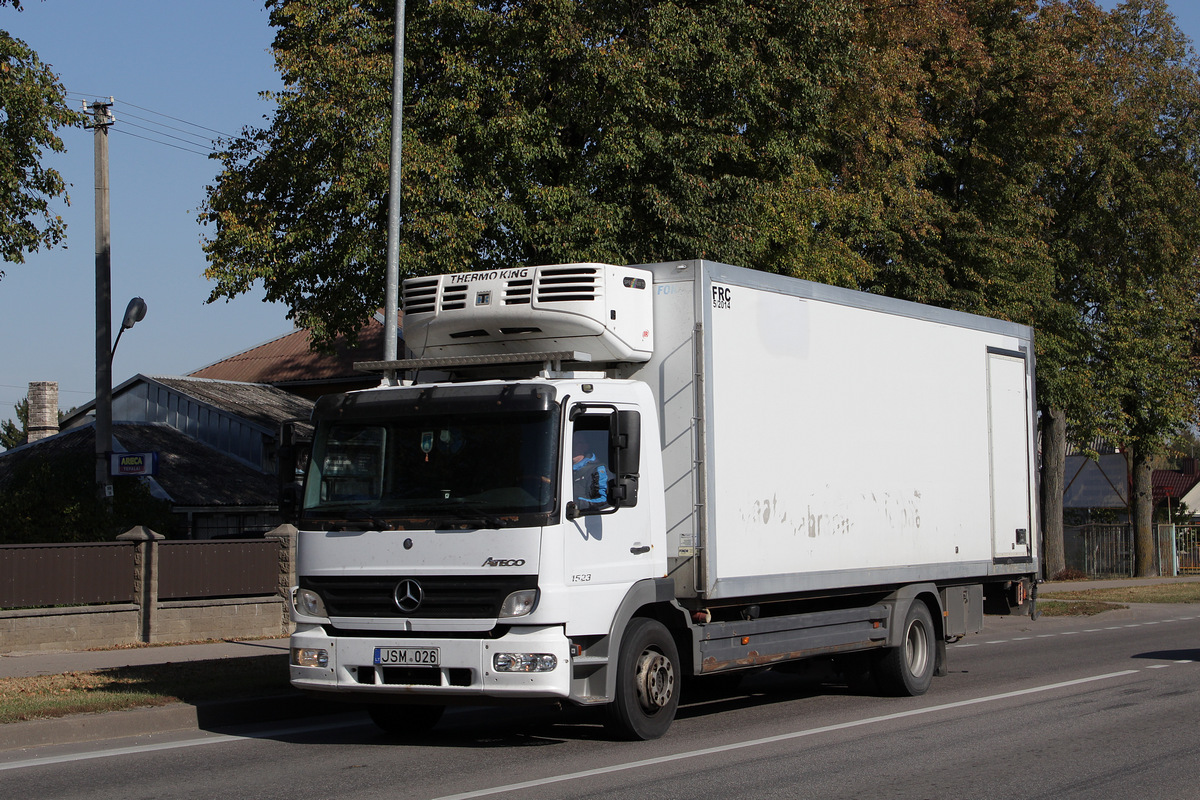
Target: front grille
<point>445,597</point>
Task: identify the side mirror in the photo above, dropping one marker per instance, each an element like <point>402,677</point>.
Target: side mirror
<point>629,442</point>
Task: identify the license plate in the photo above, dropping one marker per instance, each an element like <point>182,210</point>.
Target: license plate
<point>407,656</point>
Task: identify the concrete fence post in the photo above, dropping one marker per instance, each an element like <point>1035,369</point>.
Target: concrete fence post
<point>145,577</point>
<point>286,534</point>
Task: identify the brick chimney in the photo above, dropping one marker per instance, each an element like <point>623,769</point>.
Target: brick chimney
<point>43,409</point>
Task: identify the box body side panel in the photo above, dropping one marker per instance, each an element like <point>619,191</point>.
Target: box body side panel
<point>843,439</point>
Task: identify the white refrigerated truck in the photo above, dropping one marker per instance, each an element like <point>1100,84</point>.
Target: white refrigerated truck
<point>594,482</point>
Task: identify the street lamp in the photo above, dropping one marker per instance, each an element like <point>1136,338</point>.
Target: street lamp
<point>135,312</point>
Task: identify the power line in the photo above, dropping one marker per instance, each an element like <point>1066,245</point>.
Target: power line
<point>159,128</point>
<point>160,133</point>
<point>164,144</point>
<point>177,119</point>
<point>206,139</point>
<point>60,391</point>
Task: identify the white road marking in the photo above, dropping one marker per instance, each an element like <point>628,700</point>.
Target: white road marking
<point>708,751</point>
<point>213,738</point>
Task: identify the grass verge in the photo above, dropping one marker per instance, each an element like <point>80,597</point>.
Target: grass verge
<point>48,696</point>
<point>1075,608</point>
<point>1152,593</point>
<point>1088,602</point>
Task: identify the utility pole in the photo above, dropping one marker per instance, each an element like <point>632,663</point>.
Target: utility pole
<point>102,118</point>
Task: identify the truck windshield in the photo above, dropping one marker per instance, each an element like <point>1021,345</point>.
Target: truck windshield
<point>436,468</point>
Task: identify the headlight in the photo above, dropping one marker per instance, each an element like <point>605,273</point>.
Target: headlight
<point>518,604</point>
<point>310,657</point>
<point>524,662</point>
<point>309,603</point>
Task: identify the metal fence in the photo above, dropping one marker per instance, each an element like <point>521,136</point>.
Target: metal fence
<point>33,575</point>
<point>47,575</point>
<point>1187,549</point>
<point>1104,551</point>
<point>191,569</point>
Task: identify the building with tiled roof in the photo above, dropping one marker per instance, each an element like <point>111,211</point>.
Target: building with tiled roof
<point>288,363</point>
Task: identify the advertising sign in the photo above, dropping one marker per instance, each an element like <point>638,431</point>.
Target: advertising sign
<point>134,463</point>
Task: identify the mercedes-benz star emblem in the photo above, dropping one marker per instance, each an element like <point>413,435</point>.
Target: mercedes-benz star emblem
<point>408,595</point>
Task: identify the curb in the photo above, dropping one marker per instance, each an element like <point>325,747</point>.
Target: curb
<point>81,728</point>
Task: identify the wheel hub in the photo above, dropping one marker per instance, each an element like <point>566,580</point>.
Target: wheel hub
<point>655,680</point>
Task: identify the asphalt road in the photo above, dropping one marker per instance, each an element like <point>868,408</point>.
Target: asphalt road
<point>1101,707</point>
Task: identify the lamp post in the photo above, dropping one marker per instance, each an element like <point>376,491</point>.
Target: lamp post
<point>135,312</point>
<point>391,301</point>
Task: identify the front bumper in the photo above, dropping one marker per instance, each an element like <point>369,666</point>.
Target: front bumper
<point>465,670</point>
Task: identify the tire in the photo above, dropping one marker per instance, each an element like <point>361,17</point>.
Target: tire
<point>405,720</point>
<point>648,678</point>
<point>907,670</point>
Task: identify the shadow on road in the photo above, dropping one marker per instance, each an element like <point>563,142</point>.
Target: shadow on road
<point>1192,654</point>
<point>481,727</point>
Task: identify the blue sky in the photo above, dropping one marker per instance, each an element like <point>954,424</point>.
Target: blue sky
<point>201,62</point>
<point>171,67</point>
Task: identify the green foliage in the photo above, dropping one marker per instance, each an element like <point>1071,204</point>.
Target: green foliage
<point>534,132</point>
<point>32,108</point>
<point>53,499</point>
<point>938,143</point>
<point>10,434</point>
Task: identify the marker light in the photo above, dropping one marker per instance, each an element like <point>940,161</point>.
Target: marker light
<point>524,662</point>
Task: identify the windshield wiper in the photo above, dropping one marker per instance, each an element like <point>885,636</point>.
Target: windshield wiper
<point>470,511</point>
<point>351,519</point>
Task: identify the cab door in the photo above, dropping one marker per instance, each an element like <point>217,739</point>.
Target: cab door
<point>607,531</point>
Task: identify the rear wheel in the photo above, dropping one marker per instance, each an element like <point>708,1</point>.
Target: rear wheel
<point>405,720</point>
<point>907,670</point>
<point>648,677</point>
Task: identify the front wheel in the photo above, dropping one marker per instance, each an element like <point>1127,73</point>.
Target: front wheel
<point>907,670</point>
<point>648,675</point>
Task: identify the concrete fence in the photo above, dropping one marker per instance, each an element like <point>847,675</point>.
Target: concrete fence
<point>143,588</point>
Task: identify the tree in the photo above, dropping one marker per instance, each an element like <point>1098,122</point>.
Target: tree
<point>52,498</point>
<point>1128,227</point>
<point>937,146</point>
<point>535,132</point>
<point>12,436</point>
<point>32,108</point>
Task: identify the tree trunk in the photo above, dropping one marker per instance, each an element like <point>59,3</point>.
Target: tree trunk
<point>1141,514</point>
<point>1054,458</point>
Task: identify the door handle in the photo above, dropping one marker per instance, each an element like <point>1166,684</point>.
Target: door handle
<point>637,551</point>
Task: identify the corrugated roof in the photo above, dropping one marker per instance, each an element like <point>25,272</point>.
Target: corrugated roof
<point>1171,483</point>
<point>256,402</point>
